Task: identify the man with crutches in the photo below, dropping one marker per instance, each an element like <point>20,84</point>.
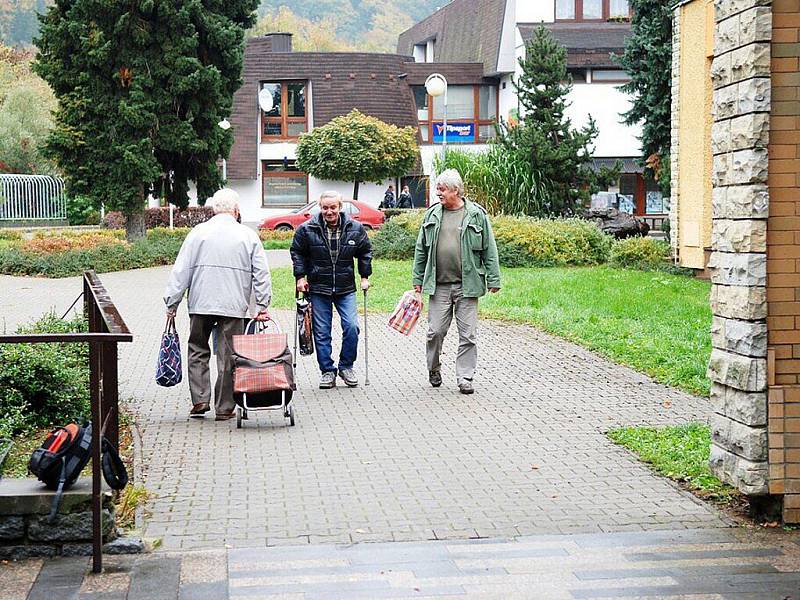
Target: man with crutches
<point>323,251</point>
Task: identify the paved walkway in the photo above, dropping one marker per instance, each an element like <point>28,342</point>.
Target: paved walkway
<point>398,460</point>
<point>698,564</point>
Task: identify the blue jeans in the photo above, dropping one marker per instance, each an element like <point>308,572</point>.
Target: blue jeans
<point>322,318</point>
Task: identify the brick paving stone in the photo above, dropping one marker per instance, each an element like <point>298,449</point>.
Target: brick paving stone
<point>397,460</point>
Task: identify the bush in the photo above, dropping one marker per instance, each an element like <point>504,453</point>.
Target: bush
<point>160,247</point>
<point>9,235</point>
<point>642,253</point>
<point>44,384</point>
<point>159,217</point>
<point>521,241</point>
<point>394,242</point>
<point>62,243</point>
<point>82,211</point>
<point>528,242</point>
<point>272,234</point>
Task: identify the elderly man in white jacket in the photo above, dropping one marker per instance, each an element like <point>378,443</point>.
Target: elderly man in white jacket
<point>222,263</point>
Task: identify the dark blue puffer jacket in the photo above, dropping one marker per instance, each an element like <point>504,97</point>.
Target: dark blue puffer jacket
<point>311,256</point>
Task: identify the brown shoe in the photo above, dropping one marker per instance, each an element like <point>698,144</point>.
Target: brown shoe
<point>224,416</point>
<point>198,410</point>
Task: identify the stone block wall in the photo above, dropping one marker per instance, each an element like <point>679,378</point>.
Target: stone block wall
<point>783,259</point>
<point>739,268</point>
<point>25,530</point>
<point>674,231</point>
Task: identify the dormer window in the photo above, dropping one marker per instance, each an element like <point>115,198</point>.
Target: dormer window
<point>423,52</point>
<point>592,10</point>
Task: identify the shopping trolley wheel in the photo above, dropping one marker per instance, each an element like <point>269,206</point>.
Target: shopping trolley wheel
<point>238,418</point>
<point>290,412</point>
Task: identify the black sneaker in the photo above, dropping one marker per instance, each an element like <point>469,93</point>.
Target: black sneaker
<point>465,387</point>
<point>435,377</point>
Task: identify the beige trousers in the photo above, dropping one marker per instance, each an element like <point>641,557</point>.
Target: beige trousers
<point>446,302</point>
<point>200,328</point>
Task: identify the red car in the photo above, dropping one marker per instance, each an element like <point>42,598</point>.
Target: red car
<point>370,217</point>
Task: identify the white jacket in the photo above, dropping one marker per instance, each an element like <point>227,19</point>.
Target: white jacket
<point>221,263</point>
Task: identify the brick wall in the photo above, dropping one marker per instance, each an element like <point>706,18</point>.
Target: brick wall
<point>783,259</point>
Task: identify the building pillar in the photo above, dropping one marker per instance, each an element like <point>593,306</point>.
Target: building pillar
<point>740,74</point>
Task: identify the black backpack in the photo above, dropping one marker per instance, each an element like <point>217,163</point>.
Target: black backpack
<point>65,453</point>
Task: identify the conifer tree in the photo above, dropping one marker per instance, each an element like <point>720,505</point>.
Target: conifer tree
<point>648,61</point>
<point>142,86</point>
<point>544,139</point>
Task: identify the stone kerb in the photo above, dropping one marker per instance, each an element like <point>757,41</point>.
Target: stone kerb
<point>740,75</point>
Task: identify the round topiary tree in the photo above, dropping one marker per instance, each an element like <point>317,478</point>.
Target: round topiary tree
<point>356,147</point>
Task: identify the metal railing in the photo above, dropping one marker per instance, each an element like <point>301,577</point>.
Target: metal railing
<point>106,330</point>
<point>32,198</point>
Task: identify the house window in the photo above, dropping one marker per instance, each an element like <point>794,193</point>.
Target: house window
<point>610,76</point>
<point>471,114</point>
<point>283,185</point>
<point>287,119</point>
<point>592,10</point>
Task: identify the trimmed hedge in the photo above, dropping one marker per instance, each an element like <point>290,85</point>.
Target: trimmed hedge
<point>521,241</point>
<point>160,247</point>
<point>159,217</point>
<point>42,385</point>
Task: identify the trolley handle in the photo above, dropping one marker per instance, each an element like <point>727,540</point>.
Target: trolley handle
<point>262,326</point>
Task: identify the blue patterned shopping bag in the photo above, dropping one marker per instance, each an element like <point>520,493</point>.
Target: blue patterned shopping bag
<point>168,370</point>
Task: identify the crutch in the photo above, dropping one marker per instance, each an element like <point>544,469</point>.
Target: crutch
<point>366,344</point>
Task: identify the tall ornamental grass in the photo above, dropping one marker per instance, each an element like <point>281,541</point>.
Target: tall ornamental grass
<point>499,181</point>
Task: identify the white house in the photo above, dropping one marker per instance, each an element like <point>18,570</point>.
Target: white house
<point>475,45</point>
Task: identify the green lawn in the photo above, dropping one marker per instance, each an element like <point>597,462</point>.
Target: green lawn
<point>654,322</point>
<point>680,453</point>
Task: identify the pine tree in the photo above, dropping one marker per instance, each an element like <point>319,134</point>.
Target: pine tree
<point>545,140</point>
<point>648,61</point>
<point>141,87</point>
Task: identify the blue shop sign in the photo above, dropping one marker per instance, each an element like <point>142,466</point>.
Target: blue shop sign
<point>457,133</point>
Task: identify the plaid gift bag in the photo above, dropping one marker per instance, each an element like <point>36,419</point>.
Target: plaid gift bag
<point>169,370</point>
<point>406,314</point>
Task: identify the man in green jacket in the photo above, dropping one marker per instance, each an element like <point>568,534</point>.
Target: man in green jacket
<point>455,259</point>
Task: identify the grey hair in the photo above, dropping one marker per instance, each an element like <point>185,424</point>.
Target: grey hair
<point>330,195</point>
<point>451,179</point>
<point>225,200</point>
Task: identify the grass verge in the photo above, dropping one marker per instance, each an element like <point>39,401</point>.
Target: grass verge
<point>656,323</point>
<point>679,453</point>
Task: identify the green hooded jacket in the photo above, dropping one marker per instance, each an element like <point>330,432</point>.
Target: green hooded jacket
<point>480,267</point>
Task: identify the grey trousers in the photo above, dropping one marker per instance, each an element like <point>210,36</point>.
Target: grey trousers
<point>447,301</point>
<point>200,328</point>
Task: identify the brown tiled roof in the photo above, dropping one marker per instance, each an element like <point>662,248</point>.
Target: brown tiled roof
<point>340,82</point>
<point>587,44</point>
<point>466,31</point>
<point>455,73</point>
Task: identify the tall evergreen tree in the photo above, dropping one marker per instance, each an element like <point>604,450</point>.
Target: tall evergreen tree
<point>648,61</point>
<point>544,139</point>
<point>142,86</point>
